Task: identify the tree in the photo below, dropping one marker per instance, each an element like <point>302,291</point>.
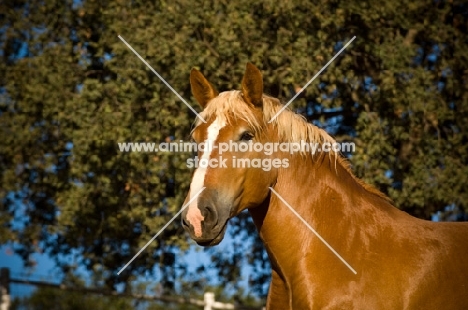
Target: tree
<point>71,90</point>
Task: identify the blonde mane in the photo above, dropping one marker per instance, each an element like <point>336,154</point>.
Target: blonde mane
<point>291,127</point>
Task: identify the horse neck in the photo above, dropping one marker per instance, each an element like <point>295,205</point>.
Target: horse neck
<point>328,198</point>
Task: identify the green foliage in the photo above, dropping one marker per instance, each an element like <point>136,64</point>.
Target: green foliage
<point>70,90</point>
<point>55,299</point>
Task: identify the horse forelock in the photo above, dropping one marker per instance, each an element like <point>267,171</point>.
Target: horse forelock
<point>290,126</point>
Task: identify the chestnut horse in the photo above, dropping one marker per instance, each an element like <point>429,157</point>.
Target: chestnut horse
<point>401,262</point>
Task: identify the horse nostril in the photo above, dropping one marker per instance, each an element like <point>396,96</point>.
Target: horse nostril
<point>185,223</point>
<point>210,215</point>
<point>207,212</point>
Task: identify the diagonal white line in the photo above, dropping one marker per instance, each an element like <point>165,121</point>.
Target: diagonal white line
<point>311,80</point>
<point>160,231</point>
<point>161,78</point>
<point>313,230</point>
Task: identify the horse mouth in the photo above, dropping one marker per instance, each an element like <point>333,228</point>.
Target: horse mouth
<point>216,240</point>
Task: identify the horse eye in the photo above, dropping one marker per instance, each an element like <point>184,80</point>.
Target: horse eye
<point>246,136</point>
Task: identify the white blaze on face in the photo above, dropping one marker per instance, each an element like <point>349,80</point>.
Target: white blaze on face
<point>194,215</point>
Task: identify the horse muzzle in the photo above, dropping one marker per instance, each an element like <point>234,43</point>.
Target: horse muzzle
<point>205,222</point>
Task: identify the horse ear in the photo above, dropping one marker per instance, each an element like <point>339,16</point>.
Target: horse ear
<point>202,90</point>
<point>252,85</point>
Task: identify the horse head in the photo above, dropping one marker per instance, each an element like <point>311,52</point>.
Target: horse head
<point>235,120</point>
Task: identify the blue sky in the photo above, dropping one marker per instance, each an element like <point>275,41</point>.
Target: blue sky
<point>44,270</point>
